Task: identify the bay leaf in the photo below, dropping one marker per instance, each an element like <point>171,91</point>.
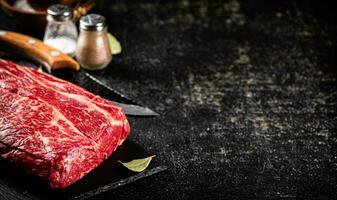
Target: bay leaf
<point>40,69</point>
<point>115,45</point>
<point>138,165</point>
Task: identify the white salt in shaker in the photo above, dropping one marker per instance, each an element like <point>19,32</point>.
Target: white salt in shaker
<point>61,32</point>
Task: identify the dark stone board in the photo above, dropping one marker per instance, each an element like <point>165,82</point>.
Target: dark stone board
<point>246,91</point>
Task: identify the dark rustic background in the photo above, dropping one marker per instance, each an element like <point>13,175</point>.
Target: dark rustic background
<point>246,90</point>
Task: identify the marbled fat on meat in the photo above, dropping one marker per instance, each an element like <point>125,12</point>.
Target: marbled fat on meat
<point>55,129</point>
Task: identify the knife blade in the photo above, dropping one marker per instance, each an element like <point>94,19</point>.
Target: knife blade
<point>130,107</point>
<point>135,110</point>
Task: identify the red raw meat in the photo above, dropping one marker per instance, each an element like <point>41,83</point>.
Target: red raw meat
<point>55,129</point>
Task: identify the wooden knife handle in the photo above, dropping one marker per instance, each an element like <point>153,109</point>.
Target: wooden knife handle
<point>35,49</point>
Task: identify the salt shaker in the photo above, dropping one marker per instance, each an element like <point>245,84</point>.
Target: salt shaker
<point>93,50</point>
<point>61,32</point>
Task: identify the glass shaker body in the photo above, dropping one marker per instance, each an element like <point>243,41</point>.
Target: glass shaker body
<point>61,32</point>
<point>93,50</point>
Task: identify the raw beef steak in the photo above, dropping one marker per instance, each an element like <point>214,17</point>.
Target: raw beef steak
<point>55,129</point>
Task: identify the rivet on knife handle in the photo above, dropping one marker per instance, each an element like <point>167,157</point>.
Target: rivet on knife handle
<point>34,48</point>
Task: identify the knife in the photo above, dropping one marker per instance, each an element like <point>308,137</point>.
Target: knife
<point>52,58</point>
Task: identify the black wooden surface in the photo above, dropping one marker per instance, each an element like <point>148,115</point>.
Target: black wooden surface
<point>246,90</point>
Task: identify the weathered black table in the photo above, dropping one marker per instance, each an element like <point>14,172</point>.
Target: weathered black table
<point>246,90</point>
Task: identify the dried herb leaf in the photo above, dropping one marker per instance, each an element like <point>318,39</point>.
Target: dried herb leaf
<point>40,69</point>
<point>115,46</point>
<point>138,165</point>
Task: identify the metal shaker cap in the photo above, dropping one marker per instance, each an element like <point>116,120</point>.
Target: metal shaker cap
<point>92,22</point>
<point>59,12</point>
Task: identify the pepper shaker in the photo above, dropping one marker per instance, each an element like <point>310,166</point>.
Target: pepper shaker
<point>93,50</point>
<point>61,32</point>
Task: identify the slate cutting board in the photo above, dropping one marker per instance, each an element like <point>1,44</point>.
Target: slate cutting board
<point>107,176</point>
